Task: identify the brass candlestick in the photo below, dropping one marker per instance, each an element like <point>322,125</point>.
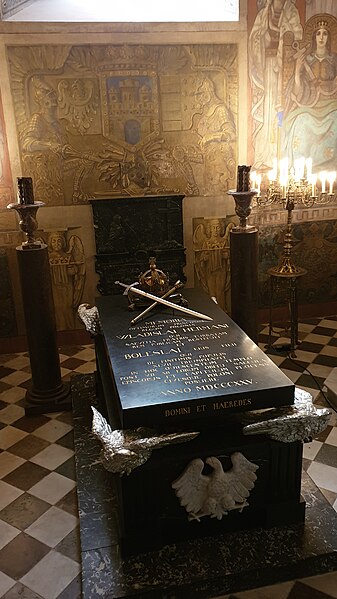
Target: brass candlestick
<point>243,196</point>
<point>243,207</point>
<point>28,223</point>
<point>27,208</point>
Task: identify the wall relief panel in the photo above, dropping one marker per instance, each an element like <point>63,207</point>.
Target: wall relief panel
<point>97,121</point>
<point>211,237</point>
<point>6,188</point>
<point>68,273</point>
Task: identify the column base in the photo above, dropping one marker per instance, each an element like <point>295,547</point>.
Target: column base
<point>51,400</point>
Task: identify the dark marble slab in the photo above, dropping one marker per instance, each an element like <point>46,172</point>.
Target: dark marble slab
<point>202,568</point>
<point>175,371</point>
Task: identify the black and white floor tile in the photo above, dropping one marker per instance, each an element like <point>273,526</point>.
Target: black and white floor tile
<point>39,527</point>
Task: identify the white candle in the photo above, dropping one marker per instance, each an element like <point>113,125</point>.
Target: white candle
<point>301,164</point>
<point>313,180</point>
<point>331,178</point>
<point>253,179</point>
<point>284,171</point>
<point>258,183</point>
<point>284,176</point>
<point>308,164</point>
<point>297,167</point>
<point>322,176</point>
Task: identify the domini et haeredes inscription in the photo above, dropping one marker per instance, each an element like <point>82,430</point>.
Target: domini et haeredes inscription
<point>175,368</point>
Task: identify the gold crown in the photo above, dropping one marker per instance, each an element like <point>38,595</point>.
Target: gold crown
<point>321,23</point>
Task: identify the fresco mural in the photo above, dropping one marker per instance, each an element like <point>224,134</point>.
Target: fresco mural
<point>265,51</point>
<point>293,69</point>
<point>98,121</point>
<point>310,116</point>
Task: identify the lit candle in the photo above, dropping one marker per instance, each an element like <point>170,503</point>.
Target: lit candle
<point>322,176</point>
<point>331,178</point>
<point>284,183</point>
<point>284,176</point>
<point>284,171</point>
<point>253,179</point>
<point>308,164</point>
<point>297,176</point>
<point>258,183</point>
<point>301,165</point>
<point>272,174</point>
<point>313,180</point>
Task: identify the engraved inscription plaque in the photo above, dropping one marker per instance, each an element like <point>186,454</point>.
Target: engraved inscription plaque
<point>175,370</point>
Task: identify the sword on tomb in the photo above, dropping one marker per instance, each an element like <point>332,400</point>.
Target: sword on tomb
<point>176,286</point>
<point>165,302</point>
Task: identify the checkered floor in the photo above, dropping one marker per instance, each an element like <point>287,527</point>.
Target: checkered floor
<point>39,529</point>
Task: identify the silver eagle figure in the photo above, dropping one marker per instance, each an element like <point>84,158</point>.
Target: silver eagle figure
<point>125,450</point>
<point>217,493</point>
<point>90,318</point>
<point>299,422</point>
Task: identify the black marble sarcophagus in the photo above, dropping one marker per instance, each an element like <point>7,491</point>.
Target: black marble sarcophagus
<point>176,373</point>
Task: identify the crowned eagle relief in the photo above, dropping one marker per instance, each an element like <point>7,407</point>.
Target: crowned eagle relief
<point>217,493</point>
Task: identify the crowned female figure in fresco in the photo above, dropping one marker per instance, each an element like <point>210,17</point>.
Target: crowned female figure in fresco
<point>310,124</point>
<point>265,51</point>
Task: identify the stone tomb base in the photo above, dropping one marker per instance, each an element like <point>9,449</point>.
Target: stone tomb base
<point>204,568</point>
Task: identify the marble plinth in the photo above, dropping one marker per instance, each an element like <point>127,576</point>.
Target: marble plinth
<point>202,568</point>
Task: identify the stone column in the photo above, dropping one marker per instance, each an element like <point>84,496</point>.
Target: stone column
<point>244,279</point>
<point>47,393</point>
<point>244,259</point>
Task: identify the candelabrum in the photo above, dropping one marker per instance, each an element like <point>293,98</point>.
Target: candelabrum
<point>295,185</point>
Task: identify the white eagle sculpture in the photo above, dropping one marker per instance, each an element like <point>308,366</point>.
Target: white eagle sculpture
<point>217,493</point>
